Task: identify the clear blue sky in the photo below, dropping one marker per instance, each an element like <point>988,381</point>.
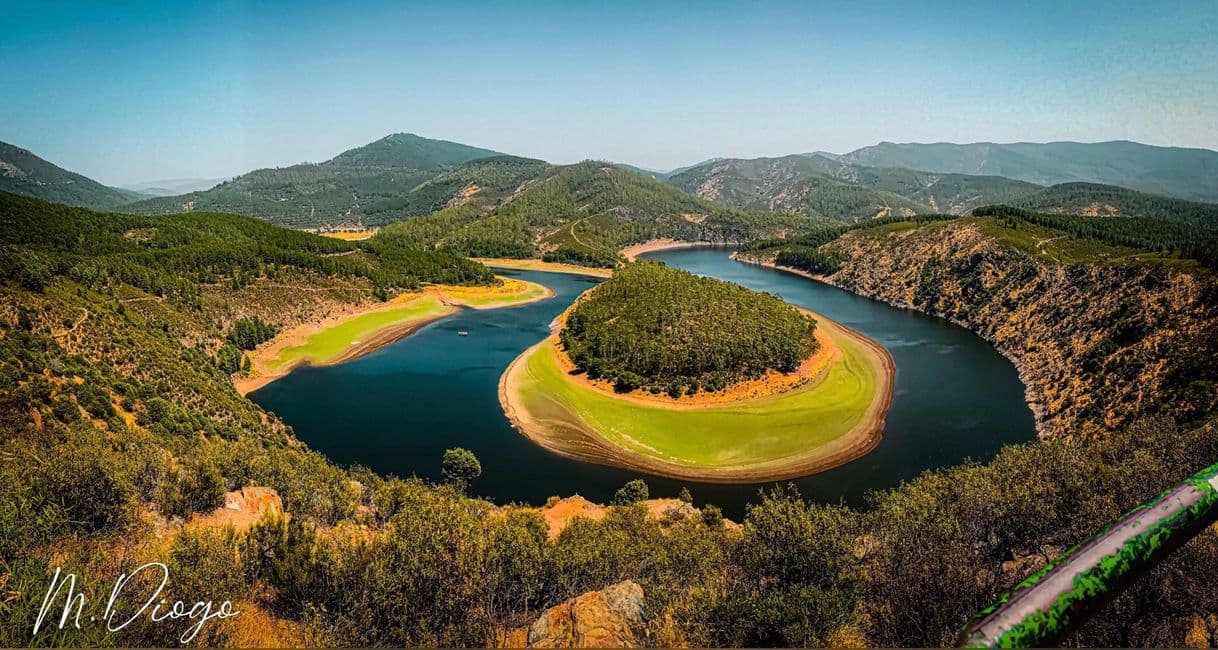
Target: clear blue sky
<point>125,92</point>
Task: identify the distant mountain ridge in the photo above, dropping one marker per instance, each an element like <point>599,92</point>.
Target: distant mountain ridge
<point>405,175</point>
<point>335,191</point>
<point>25,174</point>
<point>1178,172</point>
<point>174,186</point>
<point>833,188</point>
<point>793,184</point>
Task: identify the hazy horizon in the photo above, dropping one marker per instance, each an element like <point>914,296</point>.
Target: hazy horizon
<point>143,92</point>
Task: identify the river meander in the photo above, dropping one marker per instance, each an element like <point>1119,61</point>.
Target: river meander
<point>397,409</point>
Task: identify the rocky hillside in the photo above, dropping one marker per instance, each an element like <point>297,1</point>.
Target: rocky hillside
<point>798,184</point>
<point>944,193</point>
<point>1097,345</point>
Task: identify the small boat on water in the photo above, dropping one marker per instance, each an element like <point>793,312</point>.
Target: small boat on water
<point>463,333</point>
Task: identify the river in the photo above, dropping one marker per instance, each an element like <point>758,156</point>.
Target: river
<point>397,409</point>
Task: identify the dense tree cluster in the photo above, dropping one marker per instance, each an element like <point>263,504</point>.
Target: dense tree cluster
<point>1110,200</point>
<point>809,259</point>
<point>663,329</point>
<point>632,492</point>
<point>247,333</point>
<point>1143,233</point>
<point>604,258</point>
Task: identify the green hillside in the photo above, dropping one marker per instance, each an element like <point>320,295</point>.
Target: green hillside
<point>945,193</point>
<point>23,173</point>
<point>482,183</point>
<point>343,189</point>
<point>1190,174</point>
<point>172,256</point>
<point>1091,199</point>
<point>1053,237</point>
<point>584,213</point>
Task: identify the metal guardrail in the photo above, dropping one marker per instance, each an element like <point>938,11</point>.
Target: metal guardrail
<point>1049,603</point>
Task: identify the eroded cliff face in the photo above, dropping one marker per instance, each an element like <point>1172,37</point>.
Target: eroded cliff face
<point>1096,345</point>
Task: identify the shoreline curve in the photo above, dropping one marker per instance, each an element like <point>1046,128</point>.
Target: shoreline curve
<point>576,440</point>
<point>449,299</point>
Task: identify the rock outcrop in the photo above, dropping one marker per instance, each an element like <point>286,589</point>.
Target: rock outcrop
<point>559,513</point>
<point>242,508</point>
<point>1096,345</point>
<point>610,618</point>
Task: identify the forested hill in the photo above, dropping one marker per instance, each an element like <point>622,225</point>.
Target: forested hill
<point>368,184</point>
<point>1190,174</point>
<point>1091,199</point>
<point>173,256</point>
<point>482,183</point>
<point>21,172</point>
<point>584,213</point>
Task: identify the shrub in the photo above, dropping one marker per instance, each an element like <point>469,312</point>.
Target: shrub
<point>632,492</point>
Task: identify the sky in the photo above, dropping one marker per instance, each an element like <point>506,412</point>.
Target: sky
<point>129,92</point>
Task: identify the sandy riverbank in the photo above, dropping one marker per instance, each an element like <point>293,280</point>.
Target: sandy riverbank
<point>563,431</point>
<point>632,252</point>
<point>544,267</point>
<point>361,329</point>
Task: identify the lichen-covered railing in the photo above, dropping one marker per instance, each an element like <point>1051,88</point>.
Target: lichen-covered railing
<point>1045,606</point>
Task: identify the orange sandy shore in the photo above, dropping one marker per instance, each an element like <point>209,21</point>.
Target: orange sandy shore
<point>632,253</point>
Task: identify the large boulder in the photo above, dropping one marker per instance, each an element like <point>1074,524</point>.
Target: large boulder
<point>609,618</point>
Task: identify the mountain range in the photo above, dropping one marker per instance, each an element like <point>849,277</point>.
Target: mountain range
<point>1177,172</point>
<point>406,175</point>
<point>833,188</point>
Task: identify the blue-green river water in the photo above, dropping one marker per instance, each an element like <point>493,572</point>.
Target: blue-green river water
<point>397,409</point>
